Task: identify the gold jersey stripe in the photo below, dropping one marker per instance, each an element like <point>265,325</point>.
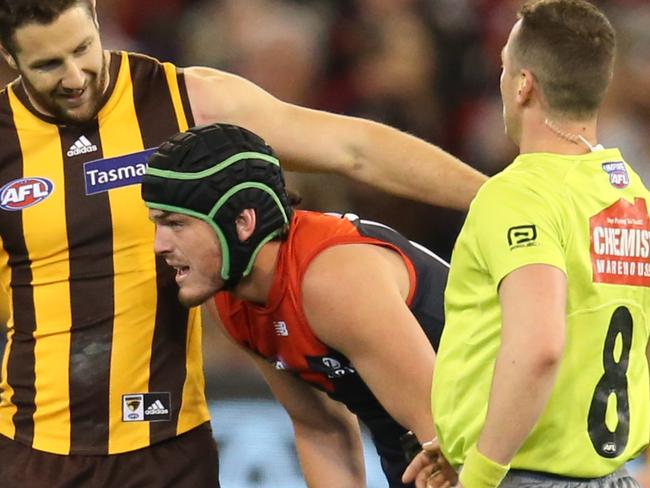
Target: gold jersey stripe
<point>41,149</point>
<point>160,118</point>
<point>172,81</point>
<point>133,265</point>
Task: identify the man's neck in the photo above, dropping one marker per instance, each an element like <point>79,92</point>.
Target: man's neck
<point>559,136</point>
<point>257,285</point>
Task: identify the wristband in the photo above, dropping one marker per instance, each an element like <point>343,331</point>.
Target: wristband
<point>480,471</point>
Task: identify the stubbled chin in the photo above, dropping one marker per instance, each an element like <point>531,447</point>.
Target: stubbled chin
<point>192,299</point>
<point>185,300</point>
<point>78,113</point>
<point>81,114</point>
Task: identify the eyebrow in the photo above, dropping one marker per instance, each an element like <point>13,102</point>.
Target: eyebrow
<point>43,62</point>
<point>166,216</point>
<point>163,215</point>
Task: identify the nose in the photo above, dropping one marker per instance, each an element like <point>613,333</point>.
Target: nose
<point>74,77</point>
<point>161,245</point>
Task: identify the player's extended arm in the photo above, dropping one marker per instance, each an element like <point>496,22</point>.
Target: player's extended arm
<point>316,141</point>
<point>353,297</point>
<point>533,309</point>
<point>328,439</point>
<point>327,435</point>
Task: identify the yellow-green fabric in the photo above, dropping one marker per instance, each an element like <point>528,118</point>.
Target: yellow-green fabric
<point>586,215</point>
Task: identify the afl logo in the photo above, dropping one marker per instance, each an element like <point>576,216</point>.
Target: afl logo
<point>24,192</point>
<point>618,176</point>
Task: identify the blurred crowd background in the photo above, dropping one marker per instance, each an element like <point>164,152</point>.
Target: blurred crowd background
<point>429,67</point>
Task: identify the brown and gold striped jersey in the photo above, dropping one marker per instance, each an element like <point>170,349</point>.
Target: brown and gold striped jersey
<point>100,358</point>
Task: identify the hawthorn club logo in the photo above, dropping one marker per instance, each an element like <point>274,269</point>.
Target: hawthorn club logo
<point>158,407</point>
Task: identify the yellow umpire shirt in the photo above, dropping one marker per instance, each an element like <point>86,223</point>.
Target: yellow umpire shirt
<point>588,216</point>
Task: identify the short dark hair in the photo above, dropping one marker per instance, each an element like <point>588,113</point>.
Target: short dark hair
<point>569,47</point>
<point>16,13</point>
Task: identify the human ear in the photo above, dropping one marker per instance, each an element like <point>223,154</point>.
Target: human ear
<point>525,86</point>
<point>245,224</point>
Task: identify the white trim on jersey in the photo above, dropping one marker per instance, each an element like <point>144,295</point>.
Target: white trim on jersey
<point>378,224</point>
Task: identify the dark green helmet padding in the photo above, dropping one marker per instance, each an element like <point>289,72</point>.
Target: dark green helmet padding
<point>213,173</point>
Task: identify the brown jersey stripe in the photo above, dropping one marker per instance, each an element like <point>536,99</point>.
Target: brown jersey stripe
<point>153,101</point>
<point>157,119</point>
<point>20,363</point>
<point>168,353</point>
<point>187,108</point>
<point>89,233</point>
<point>114,64</point>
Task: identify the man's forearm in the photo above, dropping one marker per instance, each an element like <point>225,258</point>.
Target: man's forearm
<point>410,167</point>
<point>521,388</point>
<point>330,458</point>
<point>533,328</point>
<point>378,155</point>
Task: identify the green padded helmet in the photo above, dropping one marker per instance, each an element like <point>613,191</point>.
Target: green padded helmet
<point>213,173</point>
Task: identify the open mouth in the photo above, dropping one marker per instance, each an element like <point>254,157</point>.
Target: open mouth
<point>75,98</point>
<point>181,272</point>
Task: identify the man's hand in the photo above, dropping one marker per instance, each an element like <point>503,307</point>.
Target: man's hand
<point>430,469</point>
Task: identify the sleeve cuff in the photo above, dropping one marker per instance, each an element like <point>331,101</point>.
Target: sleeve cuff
<point>480,471</point>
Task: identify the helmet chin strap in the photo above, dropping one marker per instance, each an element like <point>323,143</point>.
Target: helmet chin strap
<point>574,138</point>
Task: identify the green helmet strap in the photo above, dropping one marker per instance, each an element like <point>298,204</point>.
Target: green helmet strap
<point>213,173</point>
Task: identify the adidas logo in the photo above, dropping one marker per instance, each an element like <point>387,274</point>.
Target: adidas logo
<point>156,408</point>
<point>81,146</point>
